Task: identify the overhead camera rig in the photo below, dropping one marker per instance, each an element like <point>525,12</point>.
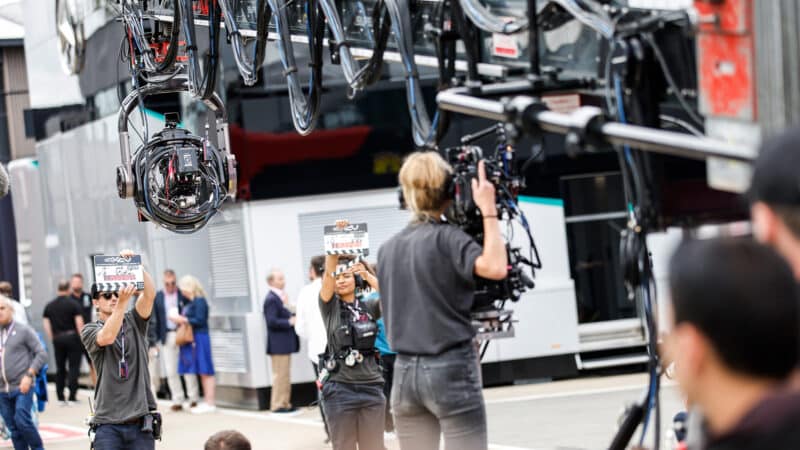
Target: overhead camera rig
<point>176,179</point>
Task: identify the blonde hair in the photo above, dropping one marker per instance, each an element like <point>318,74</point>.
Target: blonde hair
<point>192,284</point>
<point>423,178</point>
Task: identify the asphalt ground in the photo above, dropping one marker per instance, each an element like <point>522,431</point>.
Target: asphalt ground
<point>573,414</point>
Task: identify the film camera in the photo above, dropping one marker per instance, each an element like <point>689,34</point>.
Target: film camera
<point>180,178</point>
<point>488,313</point>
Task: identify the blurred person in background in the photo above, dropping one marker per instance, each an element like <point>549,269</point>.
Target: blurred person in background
<point>281,342</point>
<point>22,358</point>
<point>20,313</point>
<point>735,342</point>
<point>84,301</point>
<point>227,440</point>
<point>195,357</point>
<point>63,323</point>
<point>169,306</point>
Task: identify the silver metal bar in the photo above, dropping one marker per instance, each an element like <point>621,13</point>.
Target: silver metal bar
<point>676,144</point>
<point>456,101</point>
<point>642,138</point>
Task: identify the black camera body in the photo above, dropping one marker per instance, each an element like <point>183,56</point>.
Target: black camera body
<point>490,295</point>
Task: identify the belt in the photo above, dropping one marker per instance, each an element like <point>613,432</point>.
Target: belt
<point>64,333</point>
<point>136,421</point>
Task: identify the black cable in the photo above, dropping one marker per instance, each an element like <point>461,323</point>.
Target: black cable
<point>212,58</point>
<point>662,62</point>
<point>172,49</point>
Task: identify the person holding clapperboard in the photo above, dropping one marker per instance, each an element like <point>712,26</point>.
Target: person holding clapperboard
<point>350,378</point>
<point>124,415</point>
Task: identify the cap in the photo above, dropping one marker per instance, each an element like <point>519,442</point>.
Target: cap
<point>776,173</point>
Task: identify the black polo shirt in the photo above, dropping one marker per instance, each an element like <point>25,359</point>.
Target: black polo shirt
<point>84,302</point>
<point>62,312</point>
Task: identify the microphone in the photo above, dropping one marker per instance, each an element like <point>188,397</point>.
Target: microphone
<point>5,184</point>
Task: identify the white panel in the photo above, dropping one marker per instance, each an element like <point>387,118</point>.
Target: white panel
<point>547,315</point>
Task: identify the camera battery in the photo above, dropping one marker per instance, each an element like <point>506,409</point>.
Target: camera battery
<point>187,160</point>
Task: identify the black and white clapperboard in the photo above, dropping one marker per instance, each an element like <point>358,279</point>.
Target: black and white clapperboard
<point>112,273</point>
<point>350,240</point>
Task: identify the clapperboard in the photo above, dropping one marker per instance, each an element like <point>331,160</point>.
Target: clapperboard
<point>112,273</point>
<point>350,240</point>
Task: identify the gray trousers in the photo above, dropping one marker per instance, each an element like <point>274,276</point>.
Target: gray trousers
<point>355,415</point>
<point>439,394</point>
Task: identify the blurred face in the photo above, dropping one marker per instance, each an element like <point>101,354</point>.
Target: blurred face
<point>188,294</point>
<point>345,284</point>
<point>76,285</point>
<point>764,222</point>
<point>278,280</point>
<point>689,350</point>
<point>6,313</point>
<point>170,284</point>
<point>106,302</point>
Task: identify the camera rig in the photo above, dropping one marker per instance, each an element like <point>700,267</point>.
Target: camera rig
<point>489,316</point>
<point>177,179</point>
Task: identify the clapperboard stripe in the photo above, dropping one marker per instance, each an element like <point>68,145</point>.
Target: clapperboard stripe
<point>111,287</point>
<point>346,252</point>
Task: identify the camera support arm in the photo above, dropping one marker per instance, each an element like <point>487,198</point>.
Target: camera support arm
<point>587,127</point>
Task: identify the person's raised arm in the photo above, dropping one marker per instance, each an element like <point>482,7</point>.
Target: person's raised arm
<point>108,334</point>
<point>360,270</point>
<point>144,306</point>
<point>493,261</point>
<point>328,280</point>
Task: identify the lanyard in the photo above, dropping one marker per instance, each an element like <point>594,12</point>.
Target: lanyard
<point>122,344</point>
<point>5,336</point>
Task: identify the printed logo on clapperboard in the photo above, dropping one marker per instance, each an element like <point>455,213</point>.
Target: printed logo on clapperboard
<point>350,240</point>
<point>112,273</point>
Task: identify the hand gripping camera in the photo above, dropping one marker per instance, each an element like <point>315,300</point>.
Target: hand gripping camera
<point>177,179</point>
<point>489,316</point>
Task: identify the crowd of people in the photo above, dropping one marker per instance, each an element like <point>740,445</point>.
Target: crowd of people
<point>395,350</point>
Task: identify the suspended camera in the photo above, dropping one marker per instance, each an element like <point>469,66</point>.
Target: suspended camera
<point>489,316</point>
<point>177,179</point>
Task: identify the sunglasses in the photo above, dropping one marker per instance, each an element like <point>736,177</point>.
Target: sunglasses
<point>109,295</point>
<point>169,283</point>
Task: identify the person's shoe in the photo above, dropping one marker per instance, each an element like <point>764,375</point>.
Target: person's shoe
<point>193,405</point>
<point>176,408</point>
<point>389,436</point>
<point>63,403</point>
<point>72,402</point>
<point>203,409</point>
<point>285,410</point>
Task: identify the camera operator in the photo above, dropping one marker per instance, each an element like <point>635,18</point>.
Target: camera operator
<point>117,344</point>
<point>353,397</point>
<point>427,279</point>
